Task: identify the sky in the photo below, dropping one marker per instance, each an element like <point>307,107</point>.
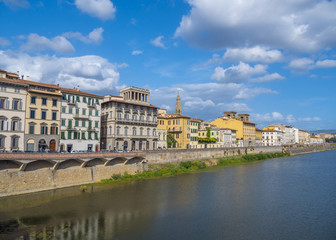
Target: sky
<point>275,60</point>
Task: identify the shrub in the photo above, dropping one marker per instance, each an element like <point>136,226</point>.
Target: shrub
<point>186,164</point>
<point>117,177</point>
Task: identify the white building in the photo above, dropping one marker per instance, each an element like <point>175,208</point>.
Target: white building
<point>291,134</point>
<point>272,137</point>
<point>80,121</point>
<point>129,121</point>
<point>228,137</point>
<point>162,138</point>
<point>13,94</point>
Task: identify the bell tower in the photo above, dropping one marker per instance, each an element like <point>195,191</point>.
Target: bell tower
<point>178,109</point>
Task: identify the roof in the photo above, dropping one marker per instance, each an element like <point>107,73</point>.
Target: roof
<point>196,119</point>
<point>269,130</point>
<point>172,115</point>
<point>248,122</point>
<point>75,91</point>
<point>15,81</point>
<point>41,84</point>
<point>134,103</point>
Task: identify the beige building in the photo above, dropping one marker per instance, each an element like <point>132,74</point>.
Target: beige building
<point>129,121</point>
<point>42,117</point>
<point>13,93</point>
<point>304,136</point>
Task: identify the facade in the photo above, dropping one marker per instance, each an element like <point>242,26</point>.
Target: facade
<point>194,126</point>
<point>291,134</point>
<point>13,93</point>
<point>229,137</point>
<point>272,137</point>
<point>129,121</point>
<point>80,121</point>
<point>259,141</point>
<point>325,136</point>
<point>249,133</point>
<point>316,139</point>
<point>231,123</point>
<point>162,138</point>
<point>304,136</point>
<point>42,117</point>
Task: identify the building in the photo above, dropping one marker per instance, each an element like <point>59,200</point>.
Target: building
<point>80,120</point>
<point>162,138</point>
<point>42,117</point>
<point>259,141</point>
<point>245,130</point>
<point>272,137</point>
<point>229,137</point>
<point>13,93</point>
<point>194,126</point>
<point>325,136</point>
<point>316,139</point>
<point>291,134</point>
<point>304,136</point>
<point>129,121</point>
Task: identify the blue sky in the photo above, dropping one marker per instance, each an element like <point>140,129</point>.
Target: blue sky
<point>276,62</point>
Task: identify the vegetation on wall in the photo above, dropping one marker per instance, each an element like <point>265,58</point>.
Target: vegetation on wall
<point>331,140</point>
<point>170,140</point>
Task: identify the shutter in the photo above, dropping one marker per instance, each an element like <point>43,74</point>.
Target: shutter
<point>11,125</point>
<point>12,104</point>
<point>6,104</point>
<point>6,125</point>
<point>20,105</point>
<point>20,125</point>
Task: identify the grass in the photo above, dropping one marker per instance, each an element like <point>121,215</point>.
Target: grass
<point>170,169</point>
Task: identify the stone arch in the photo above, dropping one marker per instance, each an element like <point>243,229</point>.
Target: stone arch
<point>70,163</point>
<point>95,162</point>
<point>30,143</point>
<point>42,145</point>
<point>9,164</point>
<point>38,164</point>
<point>52,145</point>
<point>134,160</point>
<point>115,161</point>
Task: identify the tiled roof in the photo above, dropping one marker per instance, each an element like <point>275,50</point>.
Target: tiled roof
<point>134,103</point>
<point>13,81</point>
<point>78,92</point>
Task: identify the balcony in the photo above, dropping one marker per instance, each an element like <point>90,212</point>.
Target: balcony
<point>71,103</point>
<point>91,105</point>
<point>124,120</point>
<point>90,129</point>
<point>78,116</point>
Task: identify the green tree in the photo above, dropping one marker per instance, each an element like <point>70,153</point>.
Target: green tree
<point>208,132</point>
<point>170,140</point>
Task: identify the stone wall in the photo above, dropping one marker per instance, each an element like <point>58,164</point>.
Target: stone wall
<point>177,155</point>
<point>307,148</point>
<point>14,182</point>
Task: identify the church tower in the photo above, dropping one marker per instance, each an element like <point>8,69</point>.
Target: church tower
<point>178,109</point>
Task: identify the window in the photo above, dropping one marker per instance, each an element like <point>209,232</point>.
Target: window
<point>44,129</point>
<point>126,130</point>
<point>69,135</point>
<point>97,112</point>
<point>90,135</point>
<point>84,111</point>
<point>177,135</point>
<point>77,111</point>
<point>148,132</point>
<point>83,135</point>
<point>96,136</point>
<point>16,125</point>
<point>119,116</point>
<point>3,103</point>
<point>90,125</point>
<point>63,122</point>
<point>54,102</point>
<point>70,110</point>
<point>33,100</point>
<point>15,141</point>
<point>54,115</point>
<point>53,130</point>
<point>70,124</point>
<point>3,124</point>
<point>134,132</point>
<point>141,131</point>
<point>32,113</point>
<point>177,122</point>
<point>16,104</point>
<point>90,112</point>
<point>2,141</point>
<point>44,115</point>
<point>118,130</point>
<point>44,101</point>
<point>76,123</point>
<point>31,129</point>
<point>83,123</point>
<point>84,99</point>
<point>96,124</point>
<point>77,99</point>
<point>3,89</point>
<point>62,135</point>
<point>63,109</point>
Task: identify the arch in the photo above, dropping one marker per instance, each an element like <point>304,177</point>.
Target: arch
<point>30,145</point>
<point>95,162</point>
<point>9,164</point>
<point>42,145</point>
<point>140,145</point>
<point>115,161</point>
<point>38,164</point>
<point>70,163</point>
<point>125,145</point>
<point>2,141</point>
<point>133,146</point>
<point>52,145</point>
<point>134,160</point>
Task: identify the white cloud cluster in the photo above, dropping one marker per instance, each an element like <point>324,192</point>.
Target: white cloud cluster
<point>238,73</point>
<point>96,36</point>
<point>253,54</point>
<point>306,64</point>
<point>91,73</point>
<point>102,9</point>
<point>305,26</point>
<point>137,52</point>
<point>276,117</point>
<point>158,42</point>
<point>16,3</point>
<point>4,42</point>
<point>37,43</point>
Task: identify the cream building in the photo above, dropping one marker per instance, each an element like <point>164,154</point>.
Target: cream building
<point>80,121</point>
<point>162,138</point>
<point>272,137</point>
<point>194,128</point>
<point>13,93</point>
<point>304,136</point>
<point>129,121</point>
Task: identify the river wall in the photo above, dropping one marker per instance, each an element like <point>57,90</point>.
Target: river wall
<point>178,155</point>
<point>308,148</point>
<point>14,182</point>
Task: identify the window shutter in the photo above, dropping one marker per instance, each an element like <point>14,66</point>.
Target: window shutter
<point>6,125</point>
<point>20,125</point>
<point>12,124</point>
<point>20,105</point>
<point>7,104</point>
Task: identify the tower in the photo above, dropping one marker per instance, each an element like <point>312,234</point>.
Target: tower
<point>178,109</point>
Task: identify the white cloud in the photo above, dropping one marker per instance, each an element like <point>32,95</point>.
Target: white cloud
<point>158,42</point>
<point>237,73</point>
<point>326,64</point>
<point>272,118</point>
<point>96,36</point>
<point>137,52</point>
<point>301,64</point>
<point>102,9</point>
<point>310,119</point>
<point>37,43</point>
<point>16,3</point>
<point>248,93</point>
<point>4,42</point>
<point>237,107</point>
<point>254,54</point>
<point>91,73</point>
<point>305,25</point>
<point>268,78</point>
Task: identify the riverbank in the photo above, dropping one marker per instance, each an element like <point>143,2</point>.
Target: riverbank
<point>177,168</point>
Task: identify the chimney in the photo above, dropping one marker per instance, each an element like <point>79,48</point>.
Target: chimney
<point>27,78</point>
<point>22,76</point>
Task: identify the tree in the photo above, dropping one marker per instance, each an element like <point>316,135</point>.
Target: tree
<point>208,132</point>
<point>170,140</point>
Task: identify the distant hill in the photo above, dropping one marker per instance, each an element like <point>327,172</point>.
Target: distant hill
<point>331,131</point>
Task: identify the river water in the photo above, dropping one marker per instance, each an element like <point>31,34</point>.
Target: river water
<point>287,198</point>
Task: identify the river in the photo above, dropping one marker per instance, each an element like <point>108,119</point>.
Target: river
<point>287,198</point>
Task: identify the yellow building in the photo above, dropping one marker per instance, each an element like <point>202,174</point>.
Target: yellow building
<point>245,130</point>
<point>42,116</point>
<point>258,136</point>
